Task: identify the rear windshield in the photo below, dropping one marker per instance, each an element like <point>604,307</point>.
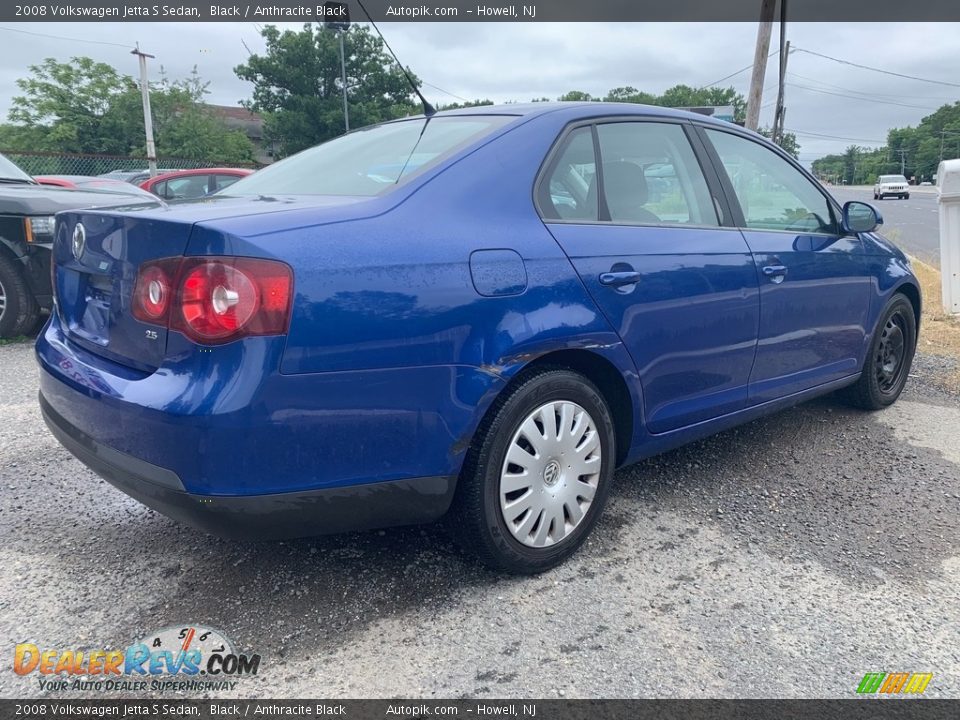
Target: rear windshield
<point>369,162</point>
<point>892,179</point>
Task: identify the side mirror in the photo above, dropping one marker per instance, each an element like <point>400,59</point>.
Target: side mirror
<point>859,217</point>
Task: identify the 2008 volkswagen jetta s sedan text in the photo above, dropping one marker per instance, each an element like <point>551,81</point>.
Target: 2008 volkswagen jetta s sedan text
<point>479,315</point>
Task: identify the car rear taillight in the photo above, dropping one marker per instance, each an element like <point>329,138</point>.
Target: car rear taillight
<point>215,300</point>
<point>153,293</point>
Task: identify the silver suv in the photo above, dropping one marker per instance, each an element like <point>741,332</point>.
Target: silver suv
<point>889,185</point>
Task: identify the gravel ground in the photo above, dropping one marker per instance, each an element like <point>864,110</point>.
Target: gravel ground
<point>784,558</point>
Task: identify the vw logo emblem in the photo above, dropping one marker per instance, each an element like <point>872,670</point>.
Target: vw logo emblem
<point>79,241</point>
<point>551,473</point>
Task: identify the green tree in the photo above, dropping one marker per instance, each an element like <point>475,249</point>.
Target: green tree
<point>686,96</point>
<point>297,86</point>
<point>630,95</point>
<point>576,96</point>
<point>915,151</point>
<point>788,142</point>
<point>67,107</point>
<point>183,126</point>
<point>88,107</point>
<point>467,104</point>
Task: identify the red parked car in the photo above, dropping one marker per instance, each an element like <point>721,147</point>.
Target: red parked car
<point>184,184</point>
<point>87,182</point>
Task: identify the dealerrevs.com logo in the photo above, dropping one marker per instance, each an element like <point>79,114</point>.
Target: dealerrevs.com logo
<point>177,659</point>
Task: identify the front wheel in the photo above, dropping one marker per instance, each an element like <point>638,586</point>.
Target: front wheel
<point>18,308</point>
<point>907,196</point>
<point>888,362</point>
<point>537,476</point>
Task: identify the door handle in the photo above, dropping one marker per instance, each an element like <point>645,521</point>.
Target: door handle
<point>619,279</point>
<point>776,273</point>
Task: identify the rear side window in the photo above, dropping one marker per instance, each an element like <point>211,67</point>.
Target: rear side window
<point>371,161</point>
<point>773,194</point>
<point>651,176</point>
<point>569,190</point>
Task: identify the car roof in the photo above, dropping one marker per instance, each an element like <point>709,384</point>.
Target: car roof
<point>580,109</point>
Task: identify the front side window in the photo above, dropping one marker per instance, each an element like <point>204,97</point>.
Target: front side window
<point>773,194</point>
<point>371,161</point>
<point>191,186</point>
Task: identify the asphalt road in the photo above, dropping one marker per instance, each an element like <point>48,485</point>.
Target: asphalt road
<point>784,558</point>
<point>912,224</point>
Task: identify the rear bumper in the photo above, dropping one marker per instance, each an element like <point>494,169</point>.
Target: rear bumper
<point>275,516</point>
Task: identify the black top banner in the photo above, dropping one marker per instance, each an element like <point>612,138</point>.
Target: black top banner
<point>475,11</point>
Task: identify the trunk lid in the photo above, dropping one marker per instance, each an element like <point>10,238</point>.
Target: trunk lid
<point>94,280</point>
<point>97,256</point>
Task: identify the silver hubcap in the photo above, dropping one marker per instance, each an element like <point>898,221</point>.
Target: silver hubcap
<point>3,300</point>
<point>550,474</point>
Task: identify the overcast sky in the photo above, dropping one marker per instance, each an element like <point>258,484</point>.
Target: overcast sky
<point>504,61</point>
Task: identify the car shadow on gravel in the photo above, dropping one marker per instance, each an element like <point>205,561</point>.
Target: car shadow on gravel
<point>817,483</point>
<point>820,482</point>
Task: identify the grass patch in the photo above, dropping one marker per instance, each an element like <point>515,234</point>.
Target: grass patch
<point>15,340</point>
<point>939,331</point>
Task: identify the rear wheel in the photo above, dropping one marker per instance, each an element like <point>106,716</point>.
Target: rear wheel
<point>887,366</point>
<point>18,308</point>
<point>538,474</point>
<point>907,196</point>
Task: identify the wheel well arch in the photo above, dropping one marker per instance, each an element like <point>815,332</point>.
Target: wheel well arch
<point>6,248</point>
<point>609,381</point>
<point>912,293</point>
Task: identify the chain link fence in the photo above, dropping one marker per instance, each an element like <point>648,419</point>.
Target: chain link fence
<point>50,163</point>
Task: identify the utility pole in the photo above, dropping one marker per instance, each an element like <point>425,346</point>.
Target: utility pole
<point>343,82</point>
<point>755,96</point>
<point>147,114</point>
<point>340,23</point>
<point>779,117</point>
<point>903,161</point>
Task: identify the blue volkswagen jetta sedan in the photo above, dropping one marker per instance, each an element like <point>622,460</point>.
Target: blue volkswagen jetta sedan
<point>480,314</point>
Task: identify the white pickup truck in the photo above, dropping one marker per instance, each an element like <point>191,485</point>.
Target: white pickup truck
<point>890,185</point>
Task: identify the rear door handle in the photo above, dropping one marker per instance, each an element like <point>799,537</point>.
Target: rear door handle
<point>776,273</point>
<point>619,279</point>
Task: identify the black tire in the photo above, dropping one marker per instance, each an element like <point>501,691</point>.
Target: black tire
<point>18,309</point>
<point>875,197</point>
<point>881,382</point>
<point>907,196</point>
<point>476,518</point>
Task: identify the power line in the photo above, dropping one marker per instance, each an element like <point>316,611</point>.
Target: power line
<point>733,74</point>
<point>871,94</point>
<point>61,37</point>
<point>860,99</point>
<point>879,70</point>
<point>832,137</point>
